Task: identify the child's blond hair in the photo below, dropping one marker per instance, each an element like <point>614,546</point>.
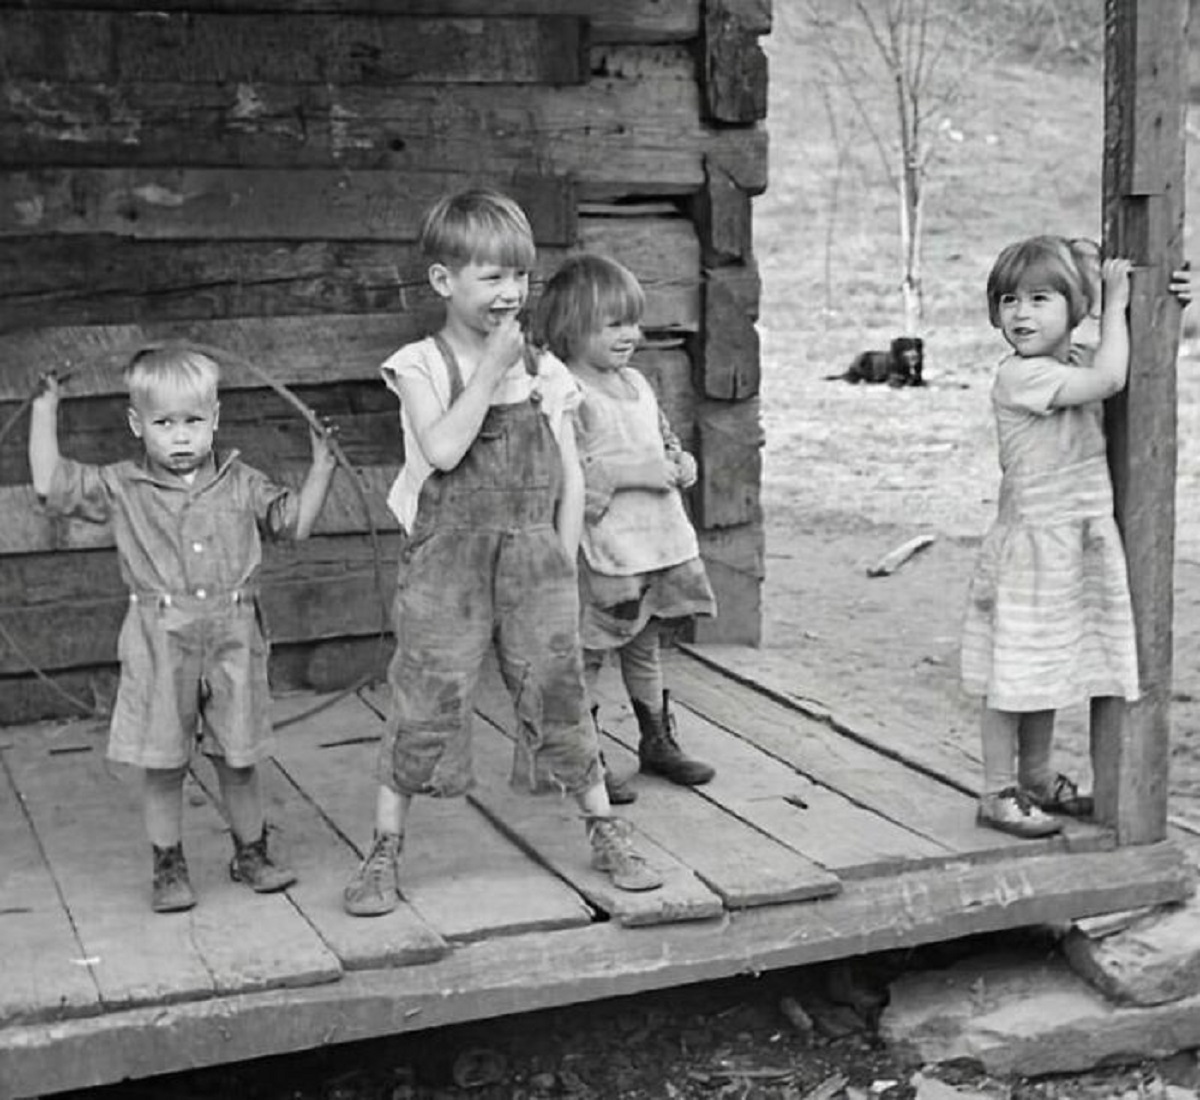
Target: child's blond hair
<point>154,371</point>
<point>586,293</point>
<point>1048,261</point>
<point>477,226</point>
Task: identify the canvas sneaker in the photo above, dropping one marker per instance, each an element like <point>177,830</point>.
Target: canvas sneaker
<point>614,854</point>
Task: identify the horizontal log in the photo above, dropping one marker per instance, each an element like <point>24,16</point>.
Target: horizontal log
<point>256,204</point>
<point>322,588</point>
<point>259,423</point>
<point>303,48</point>
<point>295,350</point>
<point>26,528</point>
<point>615,137</point>
<point>609,20</point>
<point>729,442</point>
<point>74,280</point>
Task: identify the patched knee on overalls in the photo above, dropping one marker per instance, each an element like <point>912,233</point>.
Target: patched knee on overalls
<point>423,762</point>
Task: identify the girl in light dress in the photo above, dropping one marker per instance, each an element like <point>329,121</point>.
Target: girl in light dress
<point>1049,620</point>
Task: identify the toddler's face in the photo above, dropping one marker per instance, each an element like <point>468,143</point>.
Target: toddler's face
<point>611,347</point>
<point>1036,321</point>
<point>485,295</point>
<point>176,427</point>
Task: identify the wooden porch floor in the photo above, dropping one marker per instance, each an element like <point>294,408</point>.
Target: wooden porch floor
<point>812,843</point>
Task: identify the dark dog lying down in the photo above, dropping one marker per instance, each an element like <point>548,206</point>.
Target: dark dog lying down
<point>901,365</point>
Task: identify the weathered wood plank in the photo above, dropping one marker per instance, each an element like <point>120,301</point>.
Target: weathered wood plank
<point>458,874</point>
<point>553,829</point>
<point>28,529</point>
<point>778,676</point>
<point>1143,202</point>
<point>296,350</point>
<point>725,219</point>
<point>305,48</point>
<point>614,137</point>
<point>47,975</point>
<point>907,797</point>
<point>609,20</point>
<point>730,363</point>
<point>258,203</point>
<point>847,839</point>
<point>729,443</point>
<point>260,424</point>
<point>740,864</point>
<point>521,974</point>
<point>87,817</point>
<point>77,280</point>
<point>733,557</point>
<point>735,67</point>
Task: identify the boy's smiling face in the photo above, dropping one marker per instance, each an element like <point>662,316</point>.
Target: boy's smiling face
<point>481,295</point>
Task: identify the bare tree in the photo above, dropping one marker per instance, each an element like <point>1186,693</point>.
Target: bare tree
<point>902,66</point>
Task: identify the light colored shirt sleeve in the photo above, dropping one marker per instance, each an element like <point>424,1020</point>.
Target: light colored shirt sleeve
<point>81,491</point>
<point>1032,384</point>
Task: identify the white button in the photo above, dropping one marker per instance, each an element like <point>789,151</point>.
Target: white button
<point>198,547</point>
<point>200,593</point>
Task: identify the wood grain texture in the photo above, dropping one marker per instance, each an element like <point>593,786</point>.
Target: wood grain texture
<point>542,970</point>
<point>256,203</point>
<point>1143,219</point>
<point>248,47</point>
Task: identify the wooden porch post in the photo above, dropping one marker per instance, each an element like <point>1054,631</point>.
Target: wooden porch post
<point>1145,86</point>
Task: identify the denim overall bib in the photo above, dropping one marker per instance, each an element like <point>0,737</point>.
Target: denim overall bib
<point>483,569</point>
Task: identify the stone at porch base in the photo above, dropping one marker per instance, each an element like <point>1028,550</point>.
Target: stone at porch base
<point>1153,961</point>
<point>1027,1014</point>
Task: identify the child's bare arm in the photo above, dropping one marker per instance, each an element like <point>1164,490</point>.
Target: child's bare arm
<point>445,435</point>
<point>1110,365</point>
<point>43,435</point>
<point>569,521</point>
<point>316,483</point>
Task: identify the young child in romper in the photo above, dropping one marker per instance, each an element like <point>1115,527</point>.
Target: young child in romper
<point>1049,620</point>
<point>490,498</point>
<point>193,657</point>
<point>640,564</point>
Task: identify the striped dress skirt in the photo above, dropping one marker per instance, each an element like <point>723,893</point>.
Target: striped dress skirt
<point>1048,621</point>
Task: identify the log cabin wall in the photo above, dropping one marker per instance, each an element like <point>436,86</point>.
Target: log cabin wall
<point>250,174</point>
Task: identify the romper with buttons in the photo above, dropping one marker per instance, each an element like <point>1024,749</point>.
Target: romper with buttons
<point>483,569</point>
<point>192,648</point>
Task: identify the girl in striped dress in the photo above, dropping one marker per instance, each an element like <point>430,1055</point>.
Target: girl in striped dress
<point>1048,620</point>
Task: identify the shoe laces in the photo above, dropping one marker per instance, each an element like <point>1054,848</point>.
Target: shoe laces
<point>612,837</point>
<point>379,858</point>
<point>1021,797</point>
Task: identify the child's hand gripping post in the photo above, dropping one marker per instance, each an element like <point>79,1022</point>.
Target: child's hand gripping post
<point>1185,284</point>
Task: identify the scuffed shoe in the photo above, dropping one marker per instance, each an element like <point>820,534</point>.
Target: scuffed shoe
<point>614,854</point>
<point>375,887</point>
<point>253,865</point>
<point>171,889</point>
<point>1062,796</point>
<point>659,752</point>
<point>1013,811</point>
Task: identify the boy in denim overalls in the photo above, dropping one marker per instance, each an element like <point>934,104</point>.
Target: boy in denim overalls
<point>491,501</point>
<point>193,656</point>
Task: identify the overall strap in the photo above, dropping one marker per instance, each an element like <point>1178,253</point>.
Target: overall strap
<point>452,367</point>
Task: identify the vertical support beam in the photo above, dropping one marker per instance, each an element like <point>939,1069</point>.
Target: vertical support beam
<point>1144,141</point>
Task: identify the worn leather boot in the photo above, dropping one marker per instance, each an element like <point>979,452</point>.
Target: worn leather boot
<point>660,753</point>
<point>171,891</point>
<point>253,865</point>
